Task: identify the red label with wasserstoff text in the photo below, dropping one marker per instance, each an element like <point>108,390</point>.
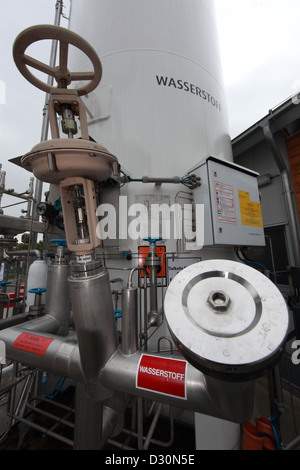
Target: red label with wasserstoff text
<point>32,343</point>
<point>162,375</point>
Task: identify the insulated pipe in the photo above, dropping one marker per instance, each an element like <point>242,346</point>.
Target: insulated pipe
<point>129,321</point>
<point>61,356</point>
<point>94,320</point>
<point>57,300</point>
<point>45,324</point>
<point>96,421</point>
<point>56,320</point>
<point>88,421</point>
<point>121,371</point>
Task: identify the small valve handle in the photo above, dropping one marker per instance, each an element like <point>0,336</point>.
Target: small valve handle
<point>3,284</point>
<point>37,290</point>
<point>152,241</point>
<point>49,255</point>
<point>57,204</point>
<point>59,241</point>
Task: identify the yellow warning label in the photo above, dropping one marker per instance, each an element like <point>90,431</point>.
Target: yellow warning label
<point>250,211</point>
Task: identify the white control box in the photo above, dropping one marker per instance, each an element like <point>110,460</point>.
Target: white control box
<point>232,209</point>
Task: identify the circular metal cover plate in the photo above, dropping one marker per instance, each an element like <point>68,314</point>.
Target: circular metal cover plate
<point>226,317</point>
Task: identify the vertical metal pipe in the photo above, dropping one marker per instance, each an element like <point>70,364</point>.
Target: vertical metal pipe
<point>140,424</point>
<point>30,195</point>
<point>144,288</point>
<point>45,124</point>
<point>94,320</point>
<point>231,398</point>
<point>88,421</point>
<point>153,289</point>
<point>152,427</point>
<point>129,321</point>
<point>58,301</point>
<point>2,185</point>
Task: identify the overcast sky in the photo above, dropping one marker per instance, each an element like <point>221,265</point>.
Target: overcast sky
<point>259,41</point>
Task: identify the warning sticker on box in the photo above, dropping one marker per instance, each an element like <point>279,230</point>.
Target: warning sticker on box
<point>162,375</point>
<point>251,214</point>
<point>225,202</point>
<point>32,343</point>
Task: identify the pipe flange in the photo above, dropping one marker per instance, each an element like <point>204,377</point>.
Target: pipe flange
<point>85,270</point>
<point>229,320</point>
<point>152,261</point>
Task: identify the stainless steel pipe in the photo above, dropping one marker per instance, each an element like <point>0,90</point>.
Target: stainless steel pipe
<point>23,253</point>
<point>129,321</point>
<point>120,373</point>
<point>96,421</point>
<point>61,356</point>
<point>57,300</point>
<point>94,320</point>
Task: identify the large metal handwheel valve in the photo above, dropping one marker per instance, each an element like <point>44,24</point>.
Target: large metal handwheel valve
<point>74,164</point>
<point>61,73</point>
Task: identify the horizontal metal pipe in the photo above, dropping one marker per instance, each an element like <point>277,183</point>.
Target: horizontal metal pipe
<point>148,179</point>
<point>45,324</point>
<point>11,192</point>
<point>10,224</point>
<point>50,415</point>
<point>66,408</point>
<point>60,357</point>
<point>44,430</point>
<point>16,253</point>
<point>56,320</point>
<point>13,321</point>
<point>120,374</point>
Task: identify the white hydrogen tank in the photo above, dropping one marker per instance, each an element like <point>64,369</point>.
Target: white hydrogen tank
<point>160,106</point>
